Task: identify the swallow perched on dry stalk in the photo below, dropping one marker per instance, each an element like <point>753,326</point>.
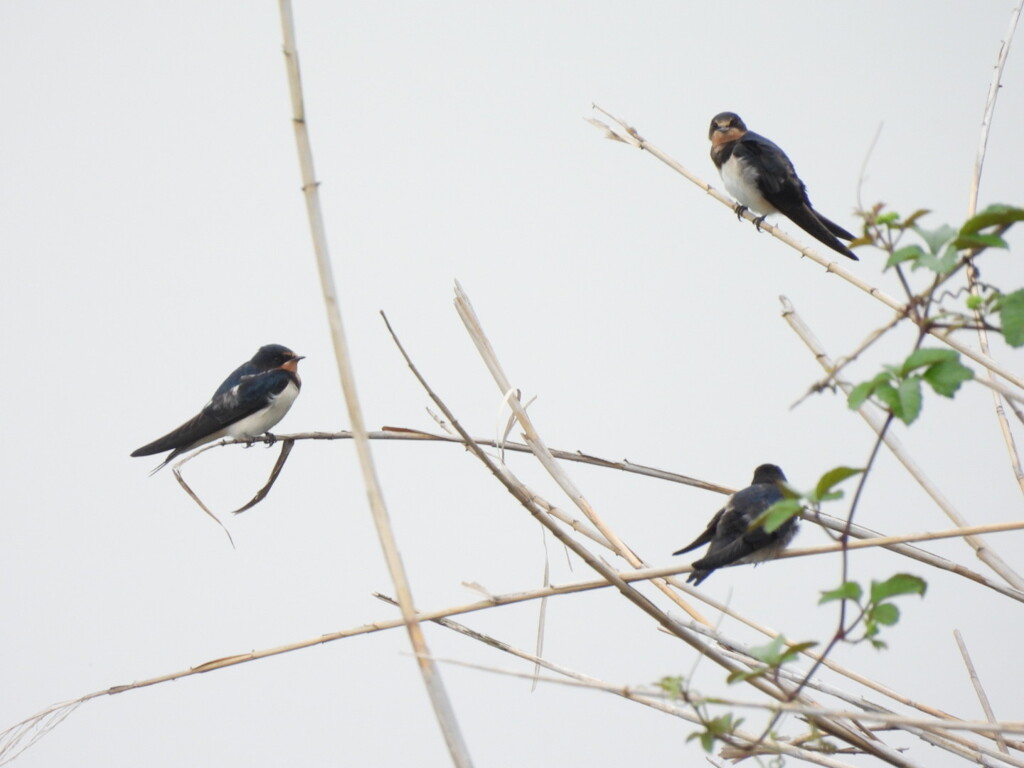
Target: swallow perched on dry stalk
<point>761,177</point>
<point>250,401</point>
<point>732,539</point>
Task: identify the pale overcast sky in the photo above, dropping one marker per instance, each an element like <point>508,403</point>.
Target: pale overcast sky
<point>154,236</point>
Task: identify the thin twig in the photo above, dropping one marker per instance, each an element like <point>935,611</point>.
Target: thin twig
<point>176,469</point>
<point>979,689</point>
<point>261,494</point>
<point>431,676</point>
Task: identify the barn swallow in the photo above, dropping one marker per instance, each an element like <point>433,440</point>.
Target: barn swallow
<point>732,539</point>
<point>247,404</point>
<point>761,177</point>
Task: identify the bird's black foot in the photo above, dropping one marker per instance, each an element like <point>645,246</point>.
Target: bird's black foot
<point>271,438</point>
<point>759,221</point>
<point>739,210</point>
<point>249,441</point>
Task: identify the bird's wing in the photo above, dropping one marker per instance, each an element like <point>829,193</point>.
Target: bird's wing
<point>706,536</point>
<point>776,177</point>
<point>251,394</point>
<point>734,539</point>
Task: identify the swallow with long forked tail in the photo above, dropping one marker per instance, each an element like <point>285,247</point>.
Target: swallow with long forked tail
<point>732,539</point>
<point>250,401</point>
<point>761,177</point>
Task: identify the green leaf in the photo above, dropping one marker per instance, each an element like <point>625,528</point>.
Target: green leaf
<point>939,265</point>
<point>849,590</point>
<point>862,392</point>
<point>831,479</point>
<point>946,378</point>
<point>908,253</point>
<point>887,218</point>
<point>887,394</point>
<point>713,729</point>
<point>788,491</point>
<point>740,675</point>
<point>967,242</point>
<point>771,652</point>
<point>777,514</point>
<point>672,685</point>
<point>900,584</point>
<point>1011,312</point>
<point>910,400</point>
<point>936,238</point>
<point>975,302</point>
<point>885,613</point>
<point>993,216</point>
<point>921,358</point>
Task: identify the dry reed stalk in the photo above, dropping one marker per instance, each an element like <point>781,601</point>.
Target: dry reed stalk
<point>981,549</point>
<point>979,689</point>
<point>972,208</point>
<point>540,450</point>
<point>310,187</point>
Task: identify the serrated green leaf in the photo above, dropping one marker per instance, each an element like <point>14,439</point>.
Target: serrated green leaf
<point>886,613</point>
<point>945,378</point>
<point>938,264</point>
<point>887,218</point>
<point>936,238</point>
<point>908,253</point>
<point>831,479</point>
<point>921,358</point>
<point>900,584</point>
<point>1011,313</point>
<point>777,514</point>
<point>910,400</point>
<point>849,590</point>
<point>861,392</point>
<point>878,644</point>
<point>967,242</point>
<point>993,216</point>
<point>889,396</point>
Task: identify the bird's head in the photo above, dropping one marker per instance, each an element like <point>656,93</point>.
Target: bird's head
<point>276,356</point>
<point>726,126</point>
<point>768,474</point>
